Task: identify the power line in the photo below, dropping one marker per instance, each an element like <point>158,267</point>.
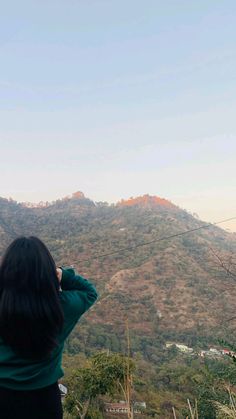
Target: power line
<point>124,249</point>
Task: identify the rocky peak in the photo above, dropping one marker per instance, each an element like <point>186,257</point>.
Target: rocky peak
<point>146,201</point>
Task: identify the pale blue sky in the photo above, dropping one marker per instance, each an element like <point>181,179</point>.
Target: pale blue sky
<point>120,98</point>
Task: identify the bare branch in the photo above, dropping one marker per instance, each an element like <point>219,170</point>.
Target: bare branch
<point>226,265</point>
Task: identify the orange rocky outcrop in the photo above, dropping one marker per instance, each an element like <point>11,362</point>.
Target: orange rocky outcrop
<point>146,200</point>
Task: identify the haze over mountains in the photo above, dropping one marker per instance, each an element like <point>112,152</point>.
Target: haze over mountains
<point>173,286</point>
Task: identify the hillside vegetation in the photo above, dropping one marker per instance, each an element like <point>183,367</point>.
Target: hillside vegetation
<point>169,290</point>
<point>172,285</point>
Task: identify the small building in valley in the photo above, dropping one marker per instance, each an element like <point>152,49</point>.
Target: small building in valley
<point>122,407</point>
<point>180,347</point>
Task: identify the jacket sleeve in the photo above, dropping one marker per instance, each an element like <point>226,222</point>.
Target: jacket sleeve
<point>77,296</point>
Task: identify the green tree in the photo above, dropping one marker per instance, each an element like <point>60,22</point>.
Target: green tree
<point>106,373</point>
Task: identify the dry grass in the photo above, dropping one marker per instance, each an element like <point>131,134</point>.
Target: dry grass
<point>223,411</point>
<point>193,411</point>
<point>227,411</point>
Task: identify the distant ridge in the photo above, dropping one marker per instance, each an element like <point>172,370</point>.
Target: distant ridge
<point>74,197</point>
<point>144,201</point>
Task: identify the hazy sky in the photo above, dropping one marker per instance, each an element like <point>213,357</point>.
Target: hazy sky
<point>120,98</point>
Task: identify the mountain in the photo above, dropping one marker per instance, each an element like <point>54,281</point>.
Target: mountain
<point>170,288</point>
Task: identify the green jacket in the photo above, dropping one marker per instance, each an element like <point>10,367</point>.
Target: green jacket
<point>77,296</point>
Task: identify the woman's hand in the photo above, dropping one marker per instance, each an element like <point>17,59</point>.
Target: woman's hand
<point>59,274</point>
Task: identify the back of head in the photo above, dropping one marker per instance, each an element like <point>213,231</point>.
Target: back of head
<point>30,310</point>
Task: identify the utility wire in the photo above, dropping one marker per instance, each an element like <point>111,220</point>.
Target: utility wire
<point>124,249</point>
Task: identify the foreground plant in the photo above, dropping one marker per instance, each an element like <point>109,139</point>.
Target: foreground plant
<point>227,411</point>
<point>193,410</point>
<point>106,373</point>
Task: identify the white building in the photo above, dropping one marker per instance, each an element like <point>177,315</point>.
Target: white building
<point>180,346</point>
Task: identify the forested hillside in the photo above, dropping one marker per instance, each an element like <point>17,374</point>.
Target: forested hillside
<point>174,285</point>
<point>172,289</point>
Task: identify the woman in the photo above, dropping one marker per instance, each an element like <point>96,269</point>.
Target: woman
<point>39,306</point>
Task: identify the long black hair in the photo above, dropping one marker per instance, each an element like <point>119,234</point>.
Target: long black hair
<point>30,312</point>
